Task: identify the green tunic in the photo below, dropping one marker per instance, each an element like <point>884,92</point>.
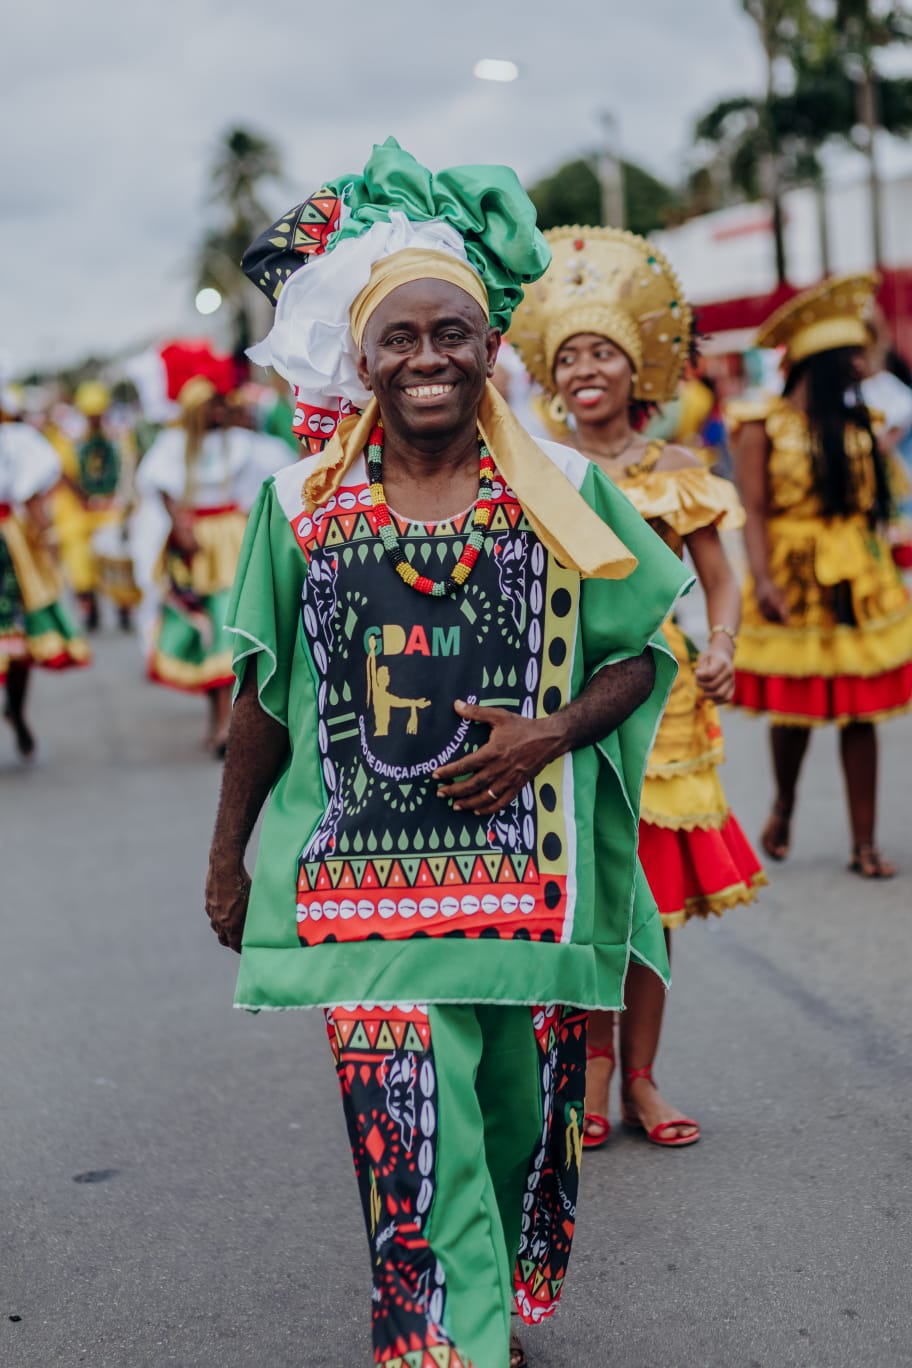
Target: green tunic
<point>363,872</point>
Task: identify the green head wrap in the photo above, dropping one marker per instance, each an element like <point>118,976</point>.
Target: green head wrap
<point>486,205</point>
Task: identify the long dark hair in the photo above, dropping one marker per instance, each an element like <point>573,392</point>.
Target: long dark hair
<point>835,403</point>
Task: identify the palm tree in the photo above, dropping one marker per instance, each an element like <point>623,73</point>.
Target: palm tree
<point>243,161</point>
<point>857,32</point>
<point>764,145</point>
<point>779,23</point>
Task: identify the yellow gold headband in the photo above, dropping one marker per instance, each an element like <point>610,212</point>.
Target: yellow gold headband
<point>401,268</point>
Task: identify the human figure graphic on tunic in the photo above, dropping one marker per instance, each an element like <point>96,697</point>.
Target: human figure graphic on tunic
<point>383,702</point>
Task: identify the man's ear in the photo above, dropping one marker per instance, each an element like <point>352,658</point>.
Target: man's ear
<point>363,374</point>
<point>492,347</point>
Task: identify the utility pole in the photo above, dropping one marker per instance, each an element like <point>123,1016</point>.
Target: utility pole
<point>610,172</point>
<point>819,189</point>
<point>866,105</point>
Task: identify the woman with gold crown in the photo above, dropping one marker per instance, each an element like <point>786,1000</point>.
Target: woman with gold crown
<point>606,332</point>
<point>827,621</point>
<point>206,475</point>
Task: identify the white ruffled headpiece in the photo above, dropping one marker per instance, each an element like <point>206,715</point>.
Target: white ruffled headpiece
<point>310,342</point>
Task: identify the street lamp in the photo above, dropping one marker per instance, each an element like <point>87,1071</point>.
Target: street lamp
<point>208,301</point>
<point>496,69</point>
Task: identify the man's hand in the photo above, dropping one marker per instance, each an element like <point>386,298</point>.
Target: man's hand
<point>517,750</point>
<point>520,747</point>
<point>227,895</point>
<point>257,750</point>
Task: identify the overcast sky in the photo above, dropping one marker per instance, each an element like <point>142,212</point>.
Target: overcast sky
<point>110,113</point>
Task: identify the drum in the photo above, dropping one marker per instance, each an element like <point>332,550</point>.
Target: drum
<point>114,562</point>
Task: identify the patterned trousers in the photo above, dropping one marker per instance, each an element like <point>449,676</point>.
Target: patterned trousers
<point>465,1125</point>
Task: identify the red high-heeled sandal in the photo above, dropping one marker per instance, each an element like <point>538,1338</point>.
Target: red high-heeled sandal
<point>596,1128</point>
<point>658,1135</point>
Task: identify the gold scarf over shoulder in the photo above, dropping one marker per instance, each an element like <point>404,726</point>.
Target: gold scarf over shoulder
<point>559,515</point>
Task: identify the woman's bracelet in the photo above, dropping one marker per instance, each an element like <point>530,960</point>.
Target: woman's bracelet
<point>729,632</point>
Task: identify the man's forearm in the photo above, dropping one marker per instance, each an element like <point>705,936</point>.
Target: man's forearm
<point>257,750</point>
<point>607,700</point>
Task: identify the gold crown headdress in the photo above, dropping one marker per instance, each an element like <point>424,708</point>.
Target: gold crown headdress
<point>614,284</point>
<point>838,313</point>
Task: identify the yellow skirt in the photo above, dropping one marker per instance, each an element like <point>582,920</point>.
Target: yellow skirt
<point>76,525</point>
<point>845,653</point>
<point>34,628</point>
<point>191,649</point>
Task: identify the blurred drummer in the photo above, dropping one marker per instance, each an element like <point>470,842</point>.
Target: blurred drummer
<point>86,501</point>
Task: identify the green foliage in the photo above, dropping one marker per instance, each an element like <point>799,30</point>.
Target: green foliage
<point>242,162</point>
<point>826,53</point>
<point>573,195</point>
<point>570,195</point>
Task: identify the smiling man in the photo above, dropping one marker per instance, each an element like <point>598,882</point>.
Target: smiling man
<point>446,662</point>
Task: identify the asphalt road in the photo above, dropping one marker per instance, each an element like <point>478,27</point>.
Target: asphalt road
<point>175,1183</point>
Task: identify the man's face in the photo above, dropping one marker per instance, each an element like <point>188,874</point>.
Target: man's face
<point>426,354</point>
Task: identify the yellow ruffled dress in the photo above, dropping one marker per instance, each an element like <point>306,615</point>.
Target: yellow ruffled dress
<point>85,505</point>
<point>845,653</point>
<point>695,855</point>
<point>35,628</point>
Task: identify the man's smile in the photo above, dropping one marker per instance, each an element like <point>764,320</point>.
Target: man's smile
<point>427,391</point>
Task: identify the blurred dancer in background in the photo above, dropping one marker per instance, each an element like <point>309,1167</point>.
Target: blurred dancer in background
<point>827,621</point>
<point>34,629</point>
<point>205,475</point>
<point>85,500</point>
<point>605,333</point>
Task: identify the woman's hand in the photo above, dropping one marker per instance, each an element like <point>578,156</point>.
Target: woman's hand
<point>715,672</point>
<point>182,536</point>
<point>771,600</point>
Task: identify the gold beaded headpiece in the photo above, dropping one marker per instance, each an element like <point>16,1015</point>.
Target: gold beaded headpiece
<point>838,313</point>
<point>616,285</point>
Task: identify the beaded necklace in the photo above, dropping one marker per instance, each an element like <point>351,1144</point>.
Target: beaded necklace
<point>390,538</point>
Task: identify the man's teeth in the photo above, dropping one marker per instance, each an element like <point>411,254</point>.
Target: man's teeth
<point>586,394</point>
<point>427,391</point>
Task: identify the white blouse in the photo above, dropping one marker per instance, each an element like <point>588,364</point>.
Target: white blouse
<point>29,465</point>
<point>229,468</point>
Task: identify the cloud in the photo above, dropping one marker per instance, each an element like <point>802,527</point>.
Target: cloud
<point>115,119</point>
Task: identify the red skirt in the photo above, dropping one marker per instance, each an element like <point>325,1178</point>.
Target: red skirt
<point>694,873</point>
<point>811,700</point>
